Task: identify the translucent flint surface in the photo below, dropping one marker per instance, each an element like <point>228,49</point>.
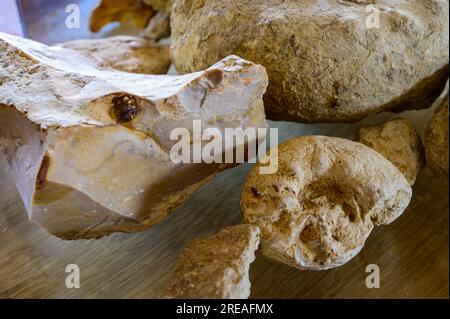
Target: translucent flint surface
<point>95,157</point>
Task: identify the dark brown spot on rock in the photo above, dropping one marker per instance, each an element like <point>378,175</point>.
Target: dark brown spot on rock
<point>214,77</point>
<point>42,174</point>
<point>254,192</point>
<point>348,210</point>
<point>124,108</point>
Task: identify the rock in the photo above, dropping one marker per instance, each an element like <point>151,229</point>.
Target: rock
<point>398,141</point>
<point>324,63</point>
<point>160,5</point>
<point>126,53</point>
<point>90,148</point>
<point>158,28</point>
<point>318,210</point>
<point>436,141</point>
<point>134,13</point>
<point>153,15</point>
<point>216,267</point>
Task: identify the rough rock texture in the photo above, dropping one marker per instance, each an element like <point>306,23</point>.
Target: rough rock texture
<point>126,53</point>
<point>317,211</point>
<point>216,267</point>
<point>131,12</point>
<point>436,141</point>
<point>90,149</point>
<point>324,63</point>
<point>398,141</point>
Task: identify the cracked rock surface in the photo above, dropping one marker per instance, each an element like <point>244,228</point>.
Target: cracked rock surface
<point>436,141</point>
<point>324,63</point>
<point>216,267</point>
<point>90,148</point>
<point>398,141</point>
<point>318,210</point>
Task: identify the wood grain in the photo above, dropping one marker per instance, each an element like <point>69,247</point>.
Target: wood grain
<point>412,253</point>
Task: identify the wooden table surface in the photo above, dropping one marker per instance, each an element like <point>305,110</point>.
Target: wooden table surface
<point>412,253</point>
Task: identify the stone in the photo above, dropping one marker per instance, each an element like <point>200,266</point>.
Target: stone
<point>134,13</point>
<point>153,16</point>
<point>436,141</point>
<point>158,28</point>
<point>216,267</point>
<point>318,209</point>
<point>398,141</point>
<point>327,61</point>
<point>160,5</point>
<point>90,148</point>
<point>126,53</point>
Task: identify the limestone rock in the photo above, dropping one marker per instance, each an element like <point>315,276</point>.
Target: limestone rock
<point>90,148</point>
<point>326,63</point>
<point>216,267</point>
<point>398,141</point>
<point>126,53</point>
<point>319,208</point>
<point>436,142</point>
<point>131,12</point>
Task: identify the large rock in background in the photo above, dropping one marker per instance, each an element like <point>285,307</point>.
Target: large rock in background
<point>153,15</point>
<point>90,148</point>
<point>324,63</point>
<point>126,53</point>
<point>130,12</point>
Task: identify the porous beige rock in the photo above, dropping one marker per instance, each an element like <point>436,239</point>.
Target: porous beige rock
<point>318,209</point>
<point>325,62</point>
<point>436,141</point>
<point>130,12</point>
<point>398,141</point>
<point>126,53</point>
<point>216,267</point>
<point>90,148</point>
